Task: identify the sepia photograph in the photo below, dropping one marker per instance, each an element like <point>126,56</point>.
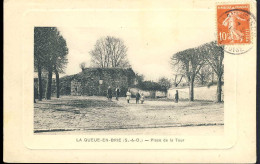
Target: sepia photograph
<point>143,81</point>
<point>89,81</point>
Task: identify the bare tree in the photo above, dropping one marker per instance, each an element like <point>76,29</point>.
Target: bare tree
<point>178,70</point>
<point>109,52</point>
<point>99,56</point>
<point>190,62</point>
<point>176,81</point>
<point>204,74</point>
<point>215,57</point>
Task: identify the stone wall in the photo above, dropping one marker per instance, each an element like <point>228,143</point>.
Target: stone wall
<point>75,88</point>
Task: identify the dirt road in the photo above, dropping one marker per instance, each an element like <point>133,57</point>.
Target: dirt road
<point>96,113</point>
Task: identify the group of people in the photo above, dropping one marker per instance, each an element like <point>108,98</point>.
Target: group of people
<point>109,93</point>
<point>138,96</point>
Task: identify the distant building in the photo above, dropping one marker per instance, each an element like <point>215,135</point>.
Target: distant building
<point>95,81</point>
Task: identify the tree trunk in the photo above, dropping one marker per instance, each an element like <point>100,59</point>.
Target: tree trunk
<point>191,94</point>
<point>35,93</point>
<point>40,83</point>
<point>57,83</point>
<point>48,88</point>
<point>175,80</point>
<point>219,89</point>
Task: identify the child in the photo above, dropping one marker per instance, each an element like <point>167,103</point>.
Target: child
<point>128,95</point>
<point>142,98</point>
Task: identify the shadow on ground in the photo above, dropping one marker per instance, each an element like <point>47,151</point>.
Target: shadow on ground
<point>97,113</point>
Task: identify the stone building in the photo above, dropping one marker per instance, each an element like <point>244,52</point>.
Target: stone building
<point>75,88</point>
<point>95,81</point>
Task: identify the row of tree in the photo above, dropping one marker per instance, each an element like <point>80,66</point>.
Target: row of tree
<point>50,55</point>
<point>194,63</point>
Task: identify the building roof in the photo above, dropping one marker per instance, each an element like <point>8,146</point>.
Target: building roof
<point>101,71</point>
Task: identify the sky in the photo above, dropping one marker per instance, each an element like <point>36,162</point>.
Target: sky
<point>151,37</point>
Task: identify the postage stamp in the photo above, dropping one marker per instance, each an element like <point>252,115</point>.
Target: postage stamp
<point>105,82</point>
<point>233,24</point>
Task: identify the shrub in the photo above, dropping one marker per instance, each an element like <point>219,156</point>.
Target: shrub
<point>150,86</point>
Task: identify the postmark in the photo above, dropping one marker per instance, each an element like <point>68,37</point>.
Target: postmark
<point>235,28</point>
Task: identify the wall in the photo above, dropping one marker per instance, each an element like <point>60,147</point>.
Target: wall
<point>200,93</point>
<point>151,94</point>
<point>75,88</point>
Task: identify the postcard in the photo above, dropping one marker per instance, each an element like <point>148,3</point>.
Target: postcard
<point>130,81</point>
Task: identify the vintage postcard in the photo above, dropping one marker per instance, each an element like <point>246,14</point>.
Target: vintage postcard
<point>130,81</point>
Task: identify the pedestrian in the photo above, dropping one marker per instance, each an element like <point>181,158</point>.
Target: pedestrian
<point>117,92</point>
<point>128,95</point>
<point>176,96</point>
<point>109,93</point>
<point>137,96</point>
<point>142,98</point>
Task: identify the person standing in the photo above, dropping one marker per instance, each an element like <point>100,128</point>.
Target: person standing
<point>137,96</point>
<point>128,95</point>
<point>109,93</point>
<point>117,92</point>
<point>176,96</point>
<point>142,98</point>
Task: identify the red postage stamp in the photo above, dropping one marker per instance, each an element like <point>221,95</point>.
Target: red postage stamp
<point>233,24</point>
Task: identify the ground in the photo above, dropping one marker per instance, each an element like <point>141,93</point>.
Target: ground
<point>90,114</point>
